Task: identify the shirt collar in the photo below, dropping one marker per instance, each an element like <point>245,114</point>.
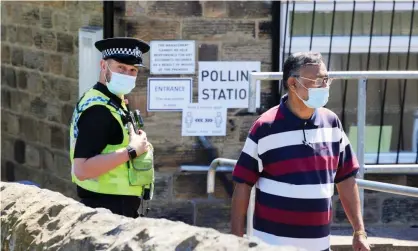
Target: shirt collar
<point>291,117</point>
<point>103,89</point>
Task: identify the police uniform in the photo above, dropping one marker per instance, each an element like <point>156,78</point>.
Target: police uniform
<point>99,126</point>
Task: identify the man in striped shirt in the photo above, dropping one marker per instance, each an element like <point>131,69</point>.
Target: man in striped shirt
<point>294,154</point>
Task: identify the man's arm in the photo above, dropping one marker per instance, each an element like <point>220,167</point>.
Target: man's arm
<point>95,125</point>
<point>350,199</point>
<point>346,184</point>
<point>245,175</point>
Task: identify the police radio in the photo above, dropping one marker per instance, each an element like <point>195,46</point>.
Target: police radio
<point>136,119</point>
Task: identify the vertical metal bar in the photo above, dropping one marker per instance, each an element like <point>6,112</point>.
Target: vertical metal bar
<point>291,28</point>
<point>284,45</point>
<point>348,65</point>
<point>361,131</point>
<point>371,36</point>
<point>312,24</point>
<point>400,135</point>
<point>107,19</point>
<point>382,110</point>
<point>275,31</point>
<point>332,35</point>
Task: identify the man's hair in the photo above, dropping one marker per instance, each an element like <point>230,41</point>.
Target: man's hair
<point>296,61</point>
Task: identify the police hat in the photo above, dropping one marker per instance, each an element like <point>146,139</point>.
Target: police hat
<point>125,50</point>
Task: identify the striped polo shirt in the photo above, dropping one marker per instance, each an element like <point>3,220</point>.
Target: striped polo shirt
<point>294,164</point>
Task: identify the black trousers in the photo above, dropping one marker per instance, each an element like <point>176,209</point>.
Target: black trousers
<point>118,204</point>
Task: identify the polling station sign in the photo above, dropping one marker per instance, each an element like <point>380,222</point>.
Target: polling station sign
<point>169,94</point>
<point>203,120</point>
<point>226,83</point>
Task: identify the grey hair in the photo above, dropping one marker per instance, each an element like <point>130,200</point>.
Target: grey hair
<point>296,61</point>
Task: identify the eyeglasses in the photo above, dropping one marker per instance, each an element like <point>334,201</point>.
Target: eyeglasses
<point>318,82</point>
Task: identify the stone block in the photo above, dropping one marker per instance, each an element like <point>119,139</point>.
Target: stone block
<point>5,52</point>
<point>245,124</point>
<point>57,137</point>
<point>163,188</point>
<point>264,30</point>
<point>34,82</point>
<point>214,214</point>
<point>23,172</point>
<point>20,101</point>
<point>17,56</point>
<point>194,186</point>
<point>67,113</point>
<point>412,180</point>
<point>6,99</point>
<point>8,76</point>
<point>134,8</point>
<point>61,21</point>
<point>218,29</point>
<point>46,18</point>
<point>9,122</point>
<point>28,128</point>
<point>24,36</point>
<point>62,166</point>
<point>215,9</point>
<point>388,178</point>
<point>47,160</point>
<point>339,215</point>
<point>30,15</point>
<point>66,187</point>
<point>400,210</point>
<point>11,33</point>
<point>152,29</point>
<point>33,59</point>
<point>175,9</point>
<point>44,133</point>
<point>95,20</point>
<point>8,171</point>
<point>7,145</point>
<point>3,30</point>
<point>208,52</point>
<point>69,66</point>
<point>248,9</point>
<point>65,43</point>
<point>372,209</point>
<point>175,211</point>
<point>32,156</point>
<point>38,107</point>
<point>247,50</point>
<point>19,151</point>
<point>21,79</point>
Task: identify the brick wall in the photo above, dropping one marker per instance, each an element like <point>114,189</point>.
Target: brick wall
<point>224,31</point>
<point>39,69</point>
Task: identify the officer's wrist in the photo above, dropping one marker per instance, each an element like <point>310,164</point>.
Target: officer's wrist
<point>132,152</point>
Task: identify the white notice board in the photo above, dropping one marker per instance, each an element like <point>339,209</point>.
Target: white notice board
<point>172,57</point>
<point>169,94</point>
<point>227,83</point>
<point>203,120</point>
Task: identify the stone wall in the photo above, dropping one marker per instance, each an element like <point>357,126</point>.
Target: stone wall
<point>39,68</point>
<point>38,219</point>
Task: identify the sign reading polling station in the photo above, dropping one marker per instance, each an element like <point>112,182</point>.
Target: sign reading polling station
<point>227,83</point>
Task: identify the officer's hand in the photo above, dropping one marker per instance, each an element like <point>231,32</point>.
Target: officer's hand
<point>138,141</point>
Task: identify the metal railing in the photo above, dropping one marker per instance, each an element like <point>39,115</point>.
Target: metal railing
<point>364,184</point>
<point>362,77</point>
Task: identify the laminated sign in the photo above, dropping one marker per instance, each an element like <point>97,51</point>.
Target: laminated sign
<point>227,83</point>
<point>203,120</point>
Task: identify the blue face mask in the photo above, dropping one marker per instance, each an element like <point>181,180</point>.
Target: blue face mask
<point>317,97</point>
<point>120,84</point>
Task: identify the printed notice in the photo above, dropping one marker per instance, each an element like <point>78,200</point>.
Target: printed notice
<point>203,120</point>
<point>227,83</point>
<point>169,94</point>
<point>172,57</point>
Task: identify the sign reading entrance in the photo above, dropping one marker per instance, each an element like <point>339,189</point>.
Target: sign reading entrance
<point>172,57</point>
<point>169,94</point>
<point>203,120</point>
<point>227,83</point>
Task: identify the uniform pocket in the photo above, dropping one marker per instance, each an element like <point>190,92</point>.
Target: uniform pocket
<point>141,171</point>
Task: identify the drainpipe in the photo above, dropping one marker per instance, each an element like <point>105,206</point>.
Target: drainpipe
<point>108,10</point>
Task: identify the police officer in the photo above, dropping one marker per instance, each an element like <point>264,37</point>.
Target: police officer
<point>112,163</point>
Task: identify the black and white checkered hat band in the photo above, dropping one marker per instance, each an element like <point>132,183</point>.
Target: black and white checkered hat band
<point>120,51</point>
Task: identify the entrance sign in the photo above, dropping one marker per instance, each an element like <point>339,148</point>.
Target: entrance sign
<point>203,120</point>
<point>227,83</point>
<point>169,94</point>
<point>172,57</point>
